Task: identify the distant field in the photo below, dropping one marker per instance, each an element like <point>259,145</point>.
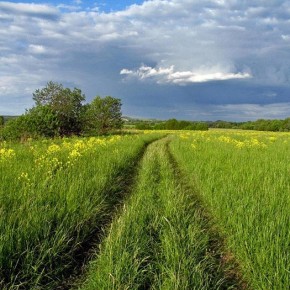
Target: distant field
<point>159,210</point>
<point>7,118</point>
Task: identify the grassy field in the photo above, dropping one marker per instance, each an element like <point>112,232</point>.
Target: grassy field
<point>244,180</point>
<point>160,240</point>
<point>192,210</point>
<point>54,195</point>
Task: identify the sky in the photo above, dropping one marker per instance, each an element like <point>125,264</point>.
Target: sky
<point>184,59</point>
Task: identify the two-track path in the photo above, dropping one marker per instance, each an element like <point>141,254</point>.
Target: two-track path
<point>162,237</point>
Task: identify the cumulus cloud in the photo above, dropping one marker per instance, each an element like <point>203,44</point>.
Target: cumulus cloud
<point>170,75</point>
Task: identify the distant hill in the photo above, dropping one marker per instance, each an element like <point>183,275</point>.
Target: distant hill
<point>131,119</point>
<point>8,117</point>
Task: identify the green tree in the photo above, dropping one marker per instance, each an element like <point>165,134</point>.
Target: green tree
<point>143,126</point>
<point>159,126</point>
<point>103,115</point>
<point>171,124</point>
<point>65,103</point>
<point>183,125</point>
<point>43,121</point>
<point>286,125</point>
<point>1,121</point>
<point>202,126</point>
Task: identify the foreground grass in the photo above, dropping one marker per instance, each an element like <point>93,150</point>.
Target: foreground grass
<point>53,196</point>
<point>243,178</point>
<point>160,239</point>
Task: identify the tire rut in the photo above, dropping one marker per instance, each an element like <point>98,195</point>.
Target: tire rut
<point>221,269</point>
<point>90,247</point>
<point>225,264</point>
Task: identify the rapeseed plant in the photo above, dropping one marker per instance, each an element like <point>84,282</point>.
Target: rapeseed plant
<point>53,148</point>
<point>6,154</point>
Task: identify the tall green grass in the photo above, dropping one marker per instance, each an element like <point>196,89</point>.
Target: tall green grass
<point>243,178</point>
<point>160,238</point>
<point>53,196</point>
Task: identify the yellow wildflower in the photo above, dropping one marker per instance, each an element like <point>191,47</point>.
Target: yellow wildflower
<point>25,179</point>
<point>53,148</point>
<point>240,144</point>
<point>272,139</point>
<point>74,154</point>
<point>6,154</point>
<point>79,145</point>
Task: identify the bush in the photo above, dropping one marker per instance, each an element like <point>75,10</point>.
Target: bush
<point>39,121</point>
<point>17,128</point>
<point>1,121</point>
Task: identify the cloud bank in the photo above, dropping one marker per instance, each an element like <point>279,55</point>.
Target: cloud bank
<point>159,57</point>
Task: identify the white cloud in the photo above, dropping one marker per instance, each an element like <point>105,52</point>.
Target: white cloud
<point>29,9</point>
<point>285,37</point>
<point>169,75</point>
<point>69,7</point>
<point>37,49</point>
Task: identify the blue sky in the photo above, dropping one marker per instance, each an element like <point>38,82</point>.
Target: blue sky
<point>103,5</point>
<point>188,59</point>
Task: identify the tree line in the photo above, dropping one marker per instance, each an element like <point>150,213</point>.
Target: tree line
<point>171,124</point>
<point>274,125</point>
<point>60,111</point>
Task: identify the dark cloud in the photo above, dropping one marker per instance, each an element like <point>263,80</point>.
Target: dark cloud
<point>208,101</point>
<point>210,59</point>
